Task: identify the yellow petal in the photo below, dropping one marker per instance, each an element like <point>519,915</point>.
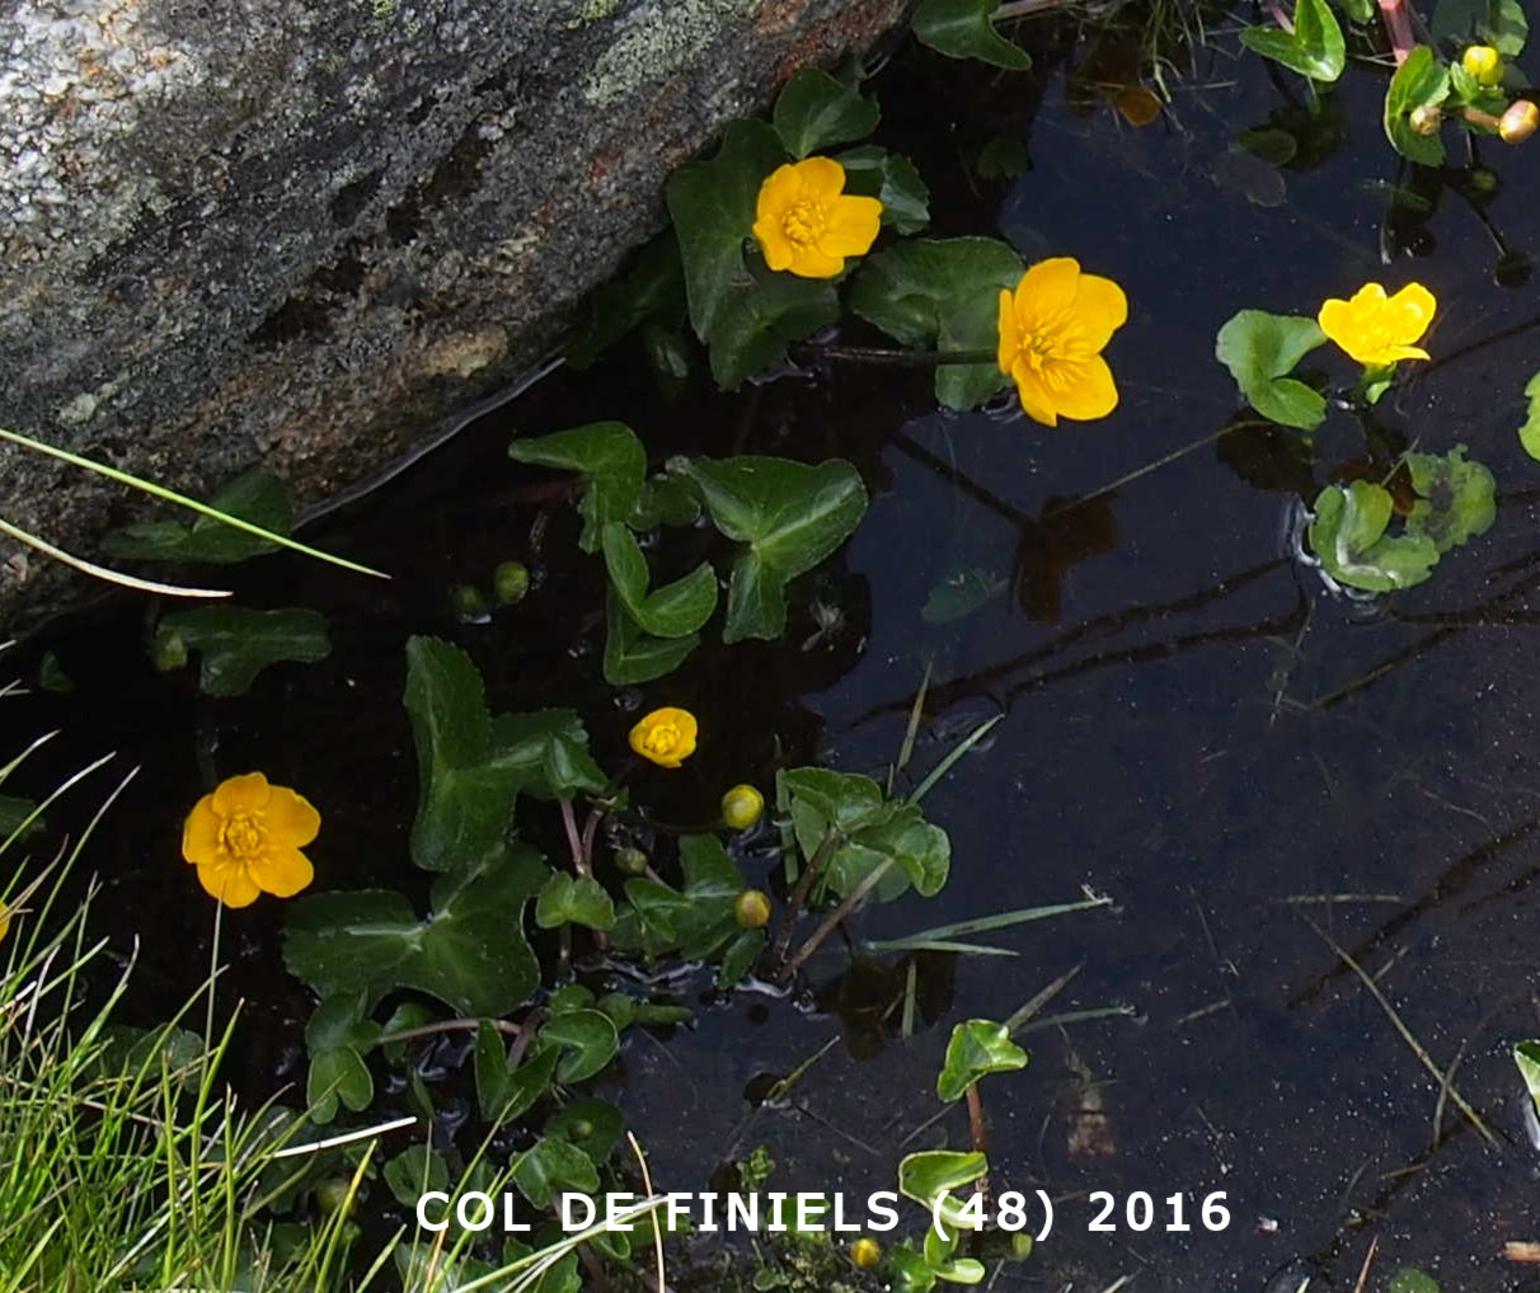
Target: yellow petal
<point>282,871</point>
<point>820,177</point>
<point>244,794</point>
<point>1046,292</point>
<point>1413,307</point>
<point>1369,296</point>
<point>1101,308</point>
<point>1036,399</point>
<point>291,818</point>
<point>853,226</point>
<point>1010,334</point>
<point>809,262</point>
<point>1087,391</point>
<point>1337,320</point>
<point>773,244</point>
<point>200,832</point>
<point>229,882</point>
<point>780,189</point>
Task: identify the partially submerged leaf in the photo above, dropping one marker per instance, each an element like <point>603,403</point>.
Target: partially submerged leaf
<point>574,900</point>
<point>1422,81</point>
<point>237,643</point>
<point>632,656</point>
<point>551,1167</point>
<point>1457,499</point>
<point>890,177</point>
<point>1348,536</point>
<point>586,1039</point>
<point>966,29</point>
<point>1260,350</point>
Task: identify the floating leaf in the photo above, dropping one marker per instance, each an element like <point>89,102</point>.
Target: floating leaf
<point>413,1172</point>
<point>936,1174</point>
<point>552,1167</point>
<point>946,293</point>
<point>237,643</point>
<point>256,496</point>
<point>1501,24</point>
<point>814,111</point>
<point>966,29</point>
<point>1348,536</point>
<point>1458,499</point>
<point>630,655</point>
<point>587,1039</point>
<point>548,753</point>
<point>611,461</point>
<point>1410,1280</point>
<point>676,610</point>
<point>1529,433</point>
<point>569,900</point>
<point>1260,350</point>
<point>470,953</point>
<point>977,1047</point>
<point>1420,82</point>
<point>594,1126</point>
<point>890,177</point>
<point>789,514</point>
<point>1315,48</point>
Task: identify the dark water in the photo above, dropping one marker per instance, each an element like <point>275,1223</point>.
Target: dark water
<point>1193,725</point>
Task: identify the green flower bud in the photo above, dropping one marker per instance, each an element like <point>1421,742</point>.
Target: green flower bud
<point>331,1196</point>
<point>752,909</point>
<point>468,600</point>
<point>169,651</point>
<point>631,860</point>
<point>1484,63</point>
<point>1426,120</point>
<point>742,807</point>
<point>510,581</point>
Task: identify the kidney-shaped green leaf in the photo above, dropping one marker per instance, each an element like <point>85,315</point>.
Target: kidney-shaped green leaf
<point>553,1166</point>
<point>504,1094</point>
<point>1260,350</point>
<point>814,111</point>
<point>891,178</point>
<point>977,1047</point>
<point>337,1074</point>
<point>611,461</point>
<point>569,900</point>
<point>789,514</point>
<point>237,643</point>
<point>934,1174</point>
<point>1457,499</point>
<point>587,1039</point>
<point>1348,536</point>
<point>966,29</point>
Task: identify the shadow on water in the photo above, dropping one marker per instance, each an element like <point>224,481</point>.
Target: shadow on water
<point>1251,767</point>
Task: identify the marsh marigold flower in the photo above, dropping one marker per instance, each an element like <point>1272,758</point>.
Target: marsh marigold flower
<point>1052,332</point>
<point>806,223</point>
<point>1376,329</point>
<point>245,839</point>
<point>665,737</point>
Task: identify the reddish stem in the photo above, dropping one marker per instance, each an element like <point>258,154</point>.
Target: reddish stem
<point>1398,26</point>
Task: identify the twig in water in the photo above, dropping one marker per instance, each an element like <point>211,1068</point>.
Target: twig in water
<point>1363,1275</point>
<point>832,921</point>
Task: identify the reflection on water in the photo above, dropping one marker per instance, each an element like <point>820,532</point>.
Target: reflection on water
<point>1266,778</point>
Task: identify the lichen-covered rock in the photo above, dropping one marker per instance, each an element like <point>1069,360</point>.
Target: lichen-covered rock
<point>305,232</point>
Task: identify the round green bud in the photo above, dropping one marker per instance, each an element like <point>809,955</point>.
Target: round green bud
<point>1483,181</point>
<point>1426,119</point>
<point>169,651</point>
<point>468,600</point>
<point>742,807</point>
<point>510,581</point>
<point>631,860</point>
<point>752,909</point>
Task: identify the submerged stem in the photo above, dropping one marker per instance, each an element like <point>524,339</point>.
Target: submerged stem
<point>812,352</point>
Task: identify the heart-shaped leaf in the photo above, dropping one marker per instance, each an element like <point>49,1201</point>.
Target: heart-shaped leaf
<point>588,1040</point>
<point>966,29</point>
<point>1422,81</point>
<point>814,111</point>
<point>1348,536</point>
<point>551,1167</point>
<point>611,461</point>
<point>977,1047</point>
<point>676,610</point>
<point>256,496</point>
<point>789,514</point>
<point>1315,48</point>
<point>471,952</point>
<point>341,1021</point>
<point>337,1074</point>
<point>891,178</point>
<point>1457,499</point>
<point>1260,350</point>
<point>415,1171</point>
<point>237,643</point>
<point>504,1094</point>
<point>548,752</point>
<point>755,325</point>
<point>943,293</point>
<point>931,1174</point>
<point>568,900</point>
<point>630,655</point>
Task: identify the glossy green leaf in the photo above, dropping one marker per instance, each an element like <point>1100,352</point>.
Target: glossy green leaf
<point>413,1172</point>
<point>552,1167</point>
<point>1457,499</point>
<point>470,953</point>
<point>1501,24</point>
<point>757,324</point>
<point>569,900</point>
<point>698,922</point>
<point>943,293</point>
<point>815,111</point>
<point>1527,1056</point>
<point>1529,433</point>
<point>341,1020</point>
<point>1315,48</point>
<point>966,29</point>
<point>739,957</point>
<point>237,643</point>
<point>337,1074</point>
<point>594,1126</point>
<point>256,496</point>
<point>652,291</point>
<point>713,205</point>
<point>548,752</point>
<point>587,1039</point>
<point>912,1273</point>
<point>666,500</point>
<point>630,655</point>
<point>929,1176</point>
<point>466,787</point>
<point>1410,1280</point>
<point>676,610</point>
<point>977,1047</point>
<point>1358,10</point>
<point>1261,350</point>
<point>1422,81</point>
<point>890,177</point>
<point>1348,536</point>
<point>790,516</point>
<point>504,1094</point>
<point>611,461</point>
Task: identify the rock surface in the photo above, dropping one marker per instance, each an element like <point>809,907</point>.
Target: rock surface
<point>304,233</point>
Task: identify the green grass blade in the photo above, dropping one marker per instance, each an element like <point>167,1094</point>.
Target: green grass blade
<point>957,752</point>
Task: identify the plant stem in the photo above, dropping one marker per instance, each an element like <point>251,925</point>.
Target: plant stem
<point>1398,26</point>
<point>799,893</point>
<point>581,848</point>
<point>101,572</point>
<point>978,1131</point>
<point>832,921</point>
<point>448,1026</point>
<point>1022,9</point>
<point>809,352</point>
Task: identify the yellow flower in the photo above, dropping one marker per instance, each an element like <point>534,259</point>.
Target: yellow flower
<point>1376,329</point>
<point>806,223</point>
<point>1052,332</point>
<point>246,837</point>
<point>665,737</point>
